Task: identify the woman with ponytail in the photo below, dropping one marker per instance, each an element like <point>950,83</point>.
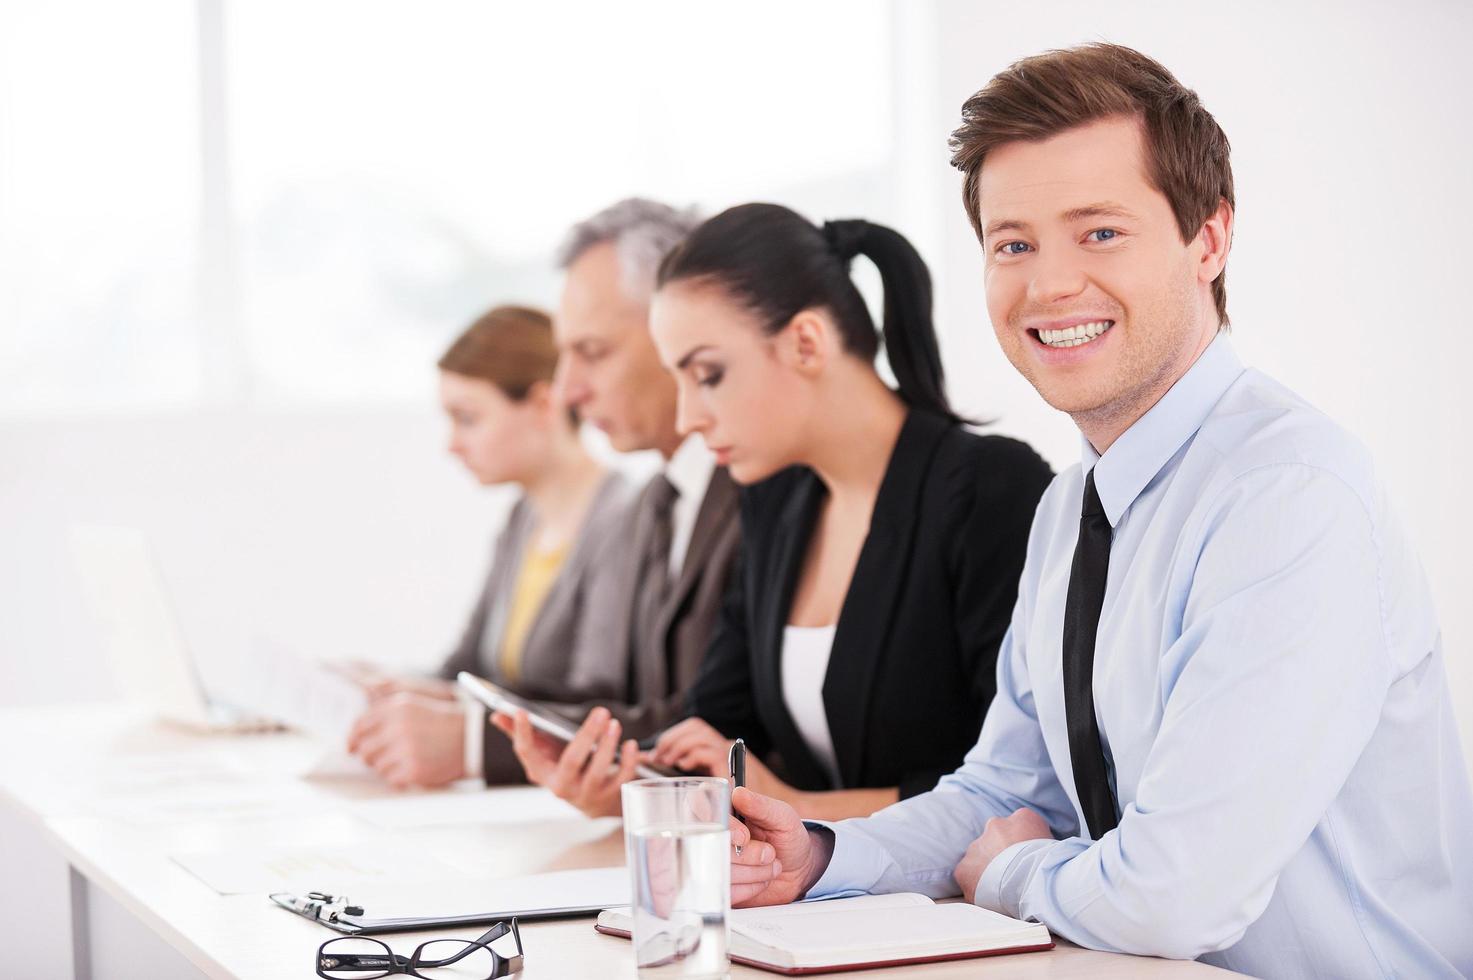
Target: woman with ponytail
<point>881,540</point>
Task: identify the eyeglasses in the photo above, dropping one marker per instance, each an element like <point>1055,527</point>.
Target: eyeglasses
<point>360,958</point>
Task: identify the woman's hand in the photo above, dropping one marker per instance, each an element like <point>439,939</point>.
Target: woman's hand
<point>425,687</point>
<point>380,685</point>
<point>583,772</point>
<point>694,746</point>
<point>411,740</point>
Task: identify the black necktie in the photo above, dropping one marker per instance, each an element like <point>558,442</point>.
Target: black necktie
<point>1081,622</point>
<point>654,571</point>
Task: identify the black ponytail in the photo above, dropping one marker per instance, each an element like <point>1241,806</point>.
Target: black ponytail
<point>910,335</point>
<point>777,264</point>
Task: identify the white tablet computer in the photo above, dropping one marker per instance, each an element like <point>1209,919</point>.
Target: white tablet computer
<point>500,699</point>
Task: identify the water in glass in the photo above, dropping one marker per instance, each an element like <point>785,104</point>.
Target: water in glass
<point>681,893</point>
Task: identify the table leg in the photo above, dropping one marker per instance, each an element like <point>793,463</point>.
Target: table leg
<point>81,930</point>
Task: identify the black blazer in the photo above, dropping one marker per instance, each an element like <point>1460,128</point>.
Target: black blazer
<point>913,666</point>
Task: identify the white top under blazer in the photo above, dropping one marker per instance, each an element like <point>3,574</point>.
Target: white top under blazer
<point>805,663</point>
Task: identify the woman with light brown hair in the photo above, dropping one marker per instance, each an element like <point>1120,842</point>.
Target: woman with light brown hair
<point>552,600</point>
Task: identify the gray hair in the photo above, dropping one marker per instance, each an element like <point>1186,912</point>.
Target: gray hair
<point>641,230</point>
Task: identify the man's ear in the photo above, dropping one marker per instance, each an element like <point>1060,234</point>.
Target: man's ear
<point>1216,240</point>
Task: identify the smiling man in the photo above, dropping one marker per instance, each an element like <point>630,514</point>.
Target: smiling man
<point>1222,728</point>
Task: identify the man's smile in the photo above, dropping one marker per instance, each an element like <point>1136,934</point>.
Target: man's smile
<point>1074,335</point>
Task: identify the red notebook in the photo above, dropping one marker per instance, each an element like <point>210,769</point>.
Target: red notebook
<point>862,933</point>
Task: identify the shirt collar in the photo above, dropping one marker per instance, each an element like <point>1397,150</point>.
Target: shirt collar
<point>1135,458</point>
<point>690,469</point>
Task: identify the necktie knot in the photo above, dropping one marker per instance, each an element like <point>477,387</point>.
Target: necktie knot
<point>1092,505</point>
<point>664,495</point>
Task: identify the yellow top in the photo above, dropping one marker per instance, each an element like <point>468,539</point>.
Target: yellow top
<point>539,570</point>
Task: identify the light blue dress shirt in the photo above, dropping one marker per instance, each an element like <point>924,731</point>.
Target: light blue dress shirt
<point>1271,695</point>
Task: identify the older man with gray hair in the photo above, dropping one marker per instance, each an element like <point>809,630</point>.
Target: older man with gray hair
<point>684,524</point>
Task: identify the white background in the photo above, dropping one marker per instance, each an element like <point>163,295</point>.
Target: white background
<point>233,238</point>
<point>218,324</point>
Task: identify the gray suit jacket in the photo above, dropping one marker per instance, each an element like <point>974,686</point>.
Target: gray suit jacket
<point>661,675</point>
<point>576,649</point>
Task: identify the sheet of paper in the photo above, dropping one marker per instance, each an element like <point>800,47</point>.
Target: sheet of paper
<point>300,693</point>
<point>337,869</point>
<point>211,784</point>
<point>465,806</point>
<point>212,800</point>
<point>584,888</point>
<point>337,764</point>
<point>867,934</point>
<point>817,906</point>
<point>623,917</point>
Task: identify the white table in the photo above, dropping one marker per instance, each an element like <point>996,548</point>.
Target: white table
<point>101,787</point>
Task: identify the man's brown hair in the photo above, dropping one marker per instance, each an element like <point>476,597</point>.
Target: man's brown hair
<point>511,347</point>
<point>1186,151</point>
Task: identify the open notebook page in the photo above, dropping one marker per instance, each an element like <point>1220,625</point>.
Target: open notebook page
<point>868,935</point>
<point>621,920</point>
<point>864,929</point>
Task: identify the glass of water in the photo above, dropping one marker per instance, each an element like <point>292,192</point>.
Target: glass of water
<point>679,850</point>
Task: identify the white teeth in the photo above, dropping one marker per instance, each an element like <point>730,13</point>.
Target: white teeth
<point>1081,333</point>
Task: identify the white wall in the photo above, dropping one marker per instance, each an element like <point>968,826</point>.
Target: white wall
<point>349,534</point>
<point>1352,134</point>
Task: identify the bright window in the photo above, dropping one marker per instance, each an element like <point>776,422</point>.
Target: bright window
<point>380,173</point>
<point>99,164</point>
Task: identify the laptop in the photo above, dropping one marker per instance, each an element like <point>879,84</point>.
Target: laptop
<point>141,637</point>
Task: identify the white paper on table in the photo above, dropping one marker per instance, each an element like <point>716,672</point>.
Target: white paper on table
<point>338,764</point>
<point>214,800</point>
<point>301,693</point>
<point>456,807</point>
<point>192,784</point>
<point>579,888</point>
<point>336,869</point>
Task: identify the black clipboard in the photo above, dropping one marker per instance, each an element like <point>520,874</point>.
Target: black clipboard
<point>336,912</point>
